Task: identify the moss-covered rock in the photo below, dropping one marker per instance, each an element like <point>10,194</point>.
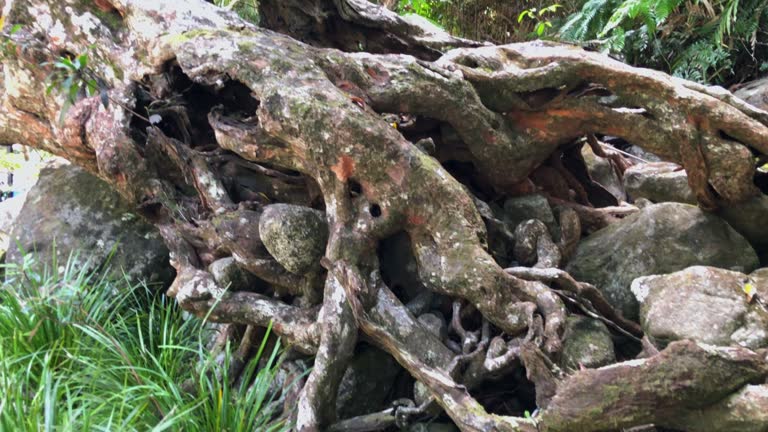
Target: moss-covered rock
<point>660,239</point>
<point>229,275</point>
<point>587,342</point>
<point>70,211</point>
<point>522,208</point>
<point>294,235</point>
<point>367,383</point>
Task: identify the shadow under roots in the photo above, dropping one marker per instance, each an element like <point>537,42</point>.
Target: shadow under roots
<point>512,394</point>
<point>183,106</point>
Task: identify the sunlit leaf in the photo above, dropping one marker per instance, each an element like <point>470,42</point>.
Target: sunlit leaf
<point>749,290</point>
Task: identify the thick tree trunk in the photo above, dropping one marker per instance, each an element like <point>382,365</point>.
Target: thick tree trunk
<point>312,121</point>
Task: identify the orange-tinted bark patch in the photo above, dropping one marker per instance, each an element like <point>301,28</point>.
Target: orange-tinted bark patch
<point>104,5</point>
<point>378,77</point>
<point>344,168</point>
<point>414,219</point>
<point>577,114</point>
<point>530,120</point>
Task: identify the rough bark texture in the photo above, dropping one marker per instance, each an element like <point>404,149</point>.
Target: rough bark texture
<point>312,121</point>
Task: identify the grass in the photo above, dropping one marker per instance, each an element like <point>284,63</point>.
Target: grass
<point>80,352</point>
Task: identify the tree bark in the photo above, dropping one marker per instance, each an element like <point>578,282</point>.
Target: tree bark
<point>306,110</point>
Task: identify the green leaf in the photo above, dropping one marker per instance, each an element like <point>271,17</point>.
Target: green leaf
<point>67,63</point>
<point>15,28</point>
<point>550,9</point>
<point>74,89</point>
<point>82,60</point>
<point>92,87</point>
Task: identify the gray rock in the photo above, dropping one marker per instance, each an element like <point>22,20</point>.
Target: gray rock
<point>705,304</point>
<point>749,219</point>
<point>755,92</point>
<point>229,275</point>
<point>642,154</point>
<point>587,342</point>
<point>743,411</point>
<point>367,383</point>
<point>658,182</point>
<point>435,324</point>
<point>522,208</point>
<point>601,171</point>
<point>294,235</point>
<point>399,264</point>
<point>760,276</point>
<point>9,211</point>
<point>659,239</point>
<point>81,215</point>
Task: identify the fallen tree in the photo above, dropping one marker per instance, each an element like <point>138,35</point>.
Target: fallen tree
<point>386,128</point>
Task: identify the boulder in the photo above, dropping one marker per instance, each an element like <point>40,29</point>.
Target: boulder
<point>587,343</point>
<point>9,211</point>
<point>229,275</point>
<point>749,219</point>
<point>71,212</point>
<point>743,411</point>
<point>662,181</point>
<point>705,304</point>
<point>755,92</point>
<point>639,152</point>
<point>760,277</point>
<point>522,208</point>
<point>367,383</point>
<point>659,239</point>
<point>658,182</point>
<point>294,235</point>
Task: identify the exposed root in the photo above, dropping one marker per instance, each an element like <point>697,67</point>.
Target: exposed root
<point>591,298</point>
<point>593,219</point>
<point>534,245</point>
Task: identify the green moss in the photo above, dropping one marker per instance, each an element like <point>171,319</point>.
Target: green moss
<point>119,74</point>
<point>246,45</point>
<point>112,20</point>
<point>612,395</point>
<point>176,39</point>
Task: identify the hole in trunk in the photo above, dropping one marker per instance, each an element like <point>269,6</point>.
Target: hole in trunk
<point>375,210</point>
<point>355,189</point>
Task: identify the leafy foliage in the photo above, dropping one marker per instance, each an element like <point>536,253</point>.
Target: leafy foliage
<point>246,9</point>
<point>540,17</point>
<point>708,41</point>
<point>72,77</point>
<point>493,20</point>
<point>79,352</point>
